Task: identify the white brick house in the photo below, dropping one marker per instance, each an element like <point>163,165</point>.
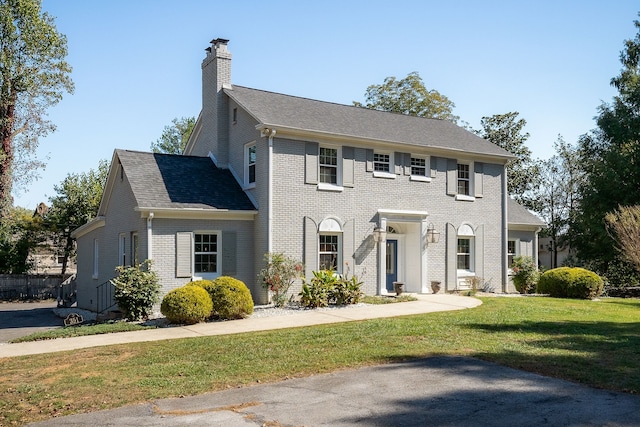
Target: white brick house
<point>391,198</point>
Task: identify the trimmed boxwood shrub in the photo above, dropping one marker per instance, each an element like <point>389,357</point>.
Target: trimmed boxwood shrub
<point>230,297</point>
<point>570,282</point>
<point>186,305</point>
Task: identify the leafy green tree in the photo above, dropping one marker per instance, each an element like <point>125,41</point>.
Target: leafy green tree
<point>20,234</point>
<point>77,202</point>
<point>611,158</point>
<point>506,131</point>
<point>557,197</point>
<point>174,137</point>
<point>409,96</point>
<point>33,76</point>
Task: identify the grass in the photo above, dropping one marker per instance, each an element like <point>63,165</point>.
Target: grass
<point>596,343</point>
<point>377,299</point>
<point>82,330</point>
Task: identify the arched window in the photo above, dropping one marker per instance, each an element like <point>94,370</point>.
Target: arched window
<point>330,244</point>
<point>465,248</point>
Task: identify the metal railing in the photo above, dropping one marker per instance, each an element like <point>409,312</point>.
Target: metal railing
<point>104,297</point>
<point>67,292</point>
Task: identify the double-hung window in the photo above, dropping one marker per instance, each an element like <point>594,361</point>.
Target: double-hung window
<point>328,162</point>
<point>511,251</point>
<point>381,162</point>
<point>464,179</point>
<point>329,251</point>
<point>205,253</point>
<point>418,166</point>
<point>464,253</point>
<point>250,164</point>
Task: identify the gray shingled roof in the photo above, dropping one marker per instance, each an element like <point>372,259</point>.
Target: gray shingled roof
<point>274,109</point>
<point>175,181</point>
<point>519,215</point>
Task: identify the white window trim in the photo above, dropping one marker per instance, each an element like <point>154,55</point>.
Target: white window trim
<point>471,271</point>
<point>324,186</point>
<point>339,253</point>
<point>247,146</point>
<point>427,169</point>
<point>96,263</point>
<point>122,249</point>
<point>380,174</point>
<point>134,245</point>
<point>467,197</point>
<point>515,254</point>
<point>208,275</point>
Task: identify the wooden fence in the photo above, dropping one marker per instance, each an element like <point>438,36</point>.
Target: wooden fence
<point>29,287</point>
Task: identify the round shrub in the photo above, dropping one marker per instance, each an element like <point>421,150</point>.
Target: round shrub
<point>570,282</point>
<point>186,305</point>
<point>230,297</point>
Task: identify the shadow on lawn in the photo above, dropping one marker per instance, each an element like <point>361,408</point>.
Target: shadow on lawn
<point>601,354</point>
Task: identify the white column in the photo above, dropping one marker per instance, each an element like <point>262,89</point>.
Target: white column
<point>150,236</point>
<point>382,259</point>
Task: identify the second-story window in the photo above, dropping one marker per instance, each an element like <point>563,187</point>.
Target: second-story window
<point>418,166</point>
<point>250,164</point>
<point>464,179</point>
<point>328,162</point>
<point>381,162</point>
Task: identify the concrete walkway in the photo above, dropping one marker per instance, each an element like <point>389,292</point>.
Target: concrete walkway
<point>425,304</point>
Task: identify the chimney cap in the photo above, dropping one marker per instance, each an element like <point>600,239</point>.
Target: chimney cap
<point>219,41</point>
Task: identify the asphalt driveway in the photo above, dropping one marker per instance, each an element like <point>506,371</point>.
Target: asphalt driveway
<point>18,319</point>
<point>437,391</point>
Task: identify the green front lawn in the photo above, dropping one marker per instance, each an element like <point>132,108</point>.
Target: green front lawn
<point>592,342</point>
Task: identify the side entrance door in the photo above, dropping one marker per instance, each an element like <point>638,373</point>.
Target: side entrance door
<point>392,263</point>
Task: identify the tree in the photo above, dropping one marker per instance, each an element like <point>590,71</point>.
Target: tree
<point>77,202</point>
<point>557,198</point>
<point>20,234</point>
<point>611,158</point>
<point>409,96</point>
<point>174,137</point>
<point>506,131</point>
<point>33,76</point>
<point>624,224</point>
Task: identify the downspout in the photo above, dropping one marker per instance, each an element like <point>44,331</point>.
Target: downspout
<point>505,233</point>
<point>150,236</point>
<point>272,133</point>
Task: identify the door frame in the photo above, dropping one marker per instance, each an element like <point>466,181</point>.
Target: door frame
<point>400,261</point>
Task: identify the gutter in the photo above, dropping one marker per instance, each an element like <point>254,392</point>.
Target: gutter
<point>270,133</point>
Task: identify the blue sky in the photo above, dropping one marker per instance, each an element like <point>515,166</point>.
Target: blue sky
<point>136,63</point>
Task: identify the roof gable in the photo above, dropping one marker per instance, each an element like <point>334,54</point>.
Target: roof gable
<point>519,215</point>
<point>181,182</point>
<point>285,111</point>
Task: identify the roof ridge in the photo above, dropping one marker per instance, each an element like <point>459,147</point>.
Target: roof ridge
<point>343,105</point>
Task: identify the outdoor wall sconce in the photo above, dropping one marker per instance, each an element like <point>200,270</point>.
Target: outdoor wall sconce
<point>433,236</point>
<point>379,235</point>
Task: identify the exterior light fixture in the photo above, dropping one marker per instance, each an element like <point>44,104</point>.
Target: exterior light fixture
<point>379,235</point>
<point>433,236</point>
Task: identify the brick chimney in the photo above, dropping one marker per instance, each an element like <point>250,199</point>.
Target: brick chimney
<point>216,75</point>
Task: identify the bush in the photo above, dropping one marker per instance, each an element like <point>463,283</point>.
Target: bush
<point>230,297</point>
<point>136,290</point>
<point>525,274</point>
<point>570,282</point>
<point>187,305</point>
<point>278,276</point>
<point>346,291</point>
<point>327,287</point>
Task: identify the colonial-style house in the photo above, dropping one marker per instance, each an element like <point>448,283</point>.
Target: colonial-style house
<point>387,197</point>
